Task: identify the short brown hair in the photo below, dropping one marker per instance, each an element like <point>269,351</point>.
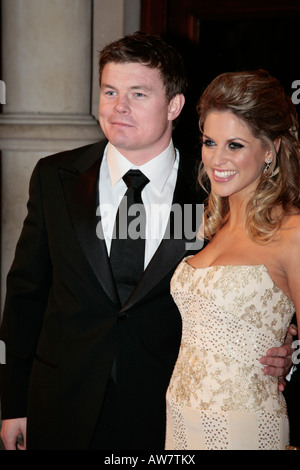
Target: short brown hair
<point>152,52</point>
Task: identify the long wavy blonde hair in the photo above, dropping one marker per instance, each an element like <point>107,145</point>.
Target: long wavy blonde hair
<point>261,102</point>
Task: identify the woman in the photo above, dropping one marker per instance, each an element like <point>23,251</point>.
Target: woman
<point>238,295</point>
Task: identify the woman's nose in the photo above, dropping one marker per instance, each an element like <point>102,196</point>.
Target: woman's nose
<point>219,156</point>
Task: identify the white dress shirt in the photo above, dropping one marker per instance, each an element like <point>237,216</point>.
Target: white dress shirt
<point>157,195</point>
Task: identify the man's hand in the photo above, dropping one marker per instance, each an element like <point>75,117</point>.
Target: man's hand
<point>278,361</point>
<point>11,431</point>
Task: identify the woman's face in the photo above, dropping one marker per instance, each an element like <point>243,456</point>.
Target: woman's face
<point>233,158</point>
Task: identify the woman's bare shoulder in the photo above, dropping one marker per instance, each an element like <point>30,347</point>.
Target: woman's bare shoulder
<point>290,235</point>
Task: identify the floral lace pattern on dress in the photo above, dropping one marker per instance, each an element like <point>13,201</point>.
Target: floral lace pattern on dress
<point>231,316</point>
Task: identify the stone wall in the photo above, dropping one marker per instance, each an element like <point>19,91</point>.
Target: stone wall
<point>49,67</point>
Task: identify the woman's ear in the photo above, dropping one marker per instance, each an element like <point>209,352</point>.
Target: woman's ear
<point>175,106</point>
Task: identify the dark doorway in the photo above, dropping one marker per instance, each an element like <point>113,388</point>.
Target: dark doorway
<point>216,36</point>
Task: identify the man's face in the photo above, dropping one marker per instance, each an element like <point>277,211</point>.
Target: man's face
<point>133,110</point>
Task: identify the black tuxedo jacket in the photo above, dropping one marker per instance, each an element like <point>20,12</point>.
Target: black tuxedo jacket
<point>63,324</point>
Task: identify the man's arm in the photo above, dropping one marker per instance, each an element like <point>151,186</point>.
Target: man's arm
<point>278,361</point>
<point>13,433</point>
<point>28,284</point>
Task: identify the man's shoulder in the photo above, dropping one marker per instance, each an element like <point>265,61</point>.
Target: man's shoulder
<point>188,169</point>
<point>67,158</point>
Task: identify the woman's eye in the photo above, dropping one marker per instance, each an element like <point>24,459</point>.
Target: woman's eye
<point>235,145</point>
<point>208,142</point>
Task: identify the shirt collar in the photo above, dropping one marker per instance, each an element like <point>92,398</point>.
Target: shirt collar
<point>157,170</point>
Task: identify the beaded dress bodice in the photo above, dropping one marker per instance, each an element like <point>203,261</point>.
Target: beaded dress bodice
<point>219,397</point>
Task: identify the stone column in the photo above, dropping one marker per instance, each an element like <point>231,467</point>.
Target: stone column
<point>47,69</point>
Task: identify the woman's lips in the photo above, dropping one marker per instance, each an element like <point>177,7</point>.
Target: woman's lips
<point>224,175</point>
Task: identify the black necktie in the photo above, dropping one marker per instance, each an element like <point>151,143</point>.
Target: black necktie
<point>128,243</point>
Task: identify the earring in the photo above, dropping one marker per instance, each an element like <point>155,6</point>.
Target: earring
<point>268,164</point>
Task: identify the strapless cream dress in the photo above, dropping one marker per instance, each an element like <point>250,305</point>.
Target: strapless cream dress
<point>219,397</point>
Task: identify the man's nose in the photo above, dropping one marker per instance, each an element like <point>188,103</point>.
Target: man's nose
<point>122,104</point>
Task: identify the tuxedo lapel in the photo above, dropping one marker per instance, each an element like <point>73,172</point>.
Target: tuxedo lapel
<point>80,185</point>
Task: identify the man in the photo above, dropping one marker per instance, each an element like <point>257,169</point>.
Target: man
<point>88,361</point>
